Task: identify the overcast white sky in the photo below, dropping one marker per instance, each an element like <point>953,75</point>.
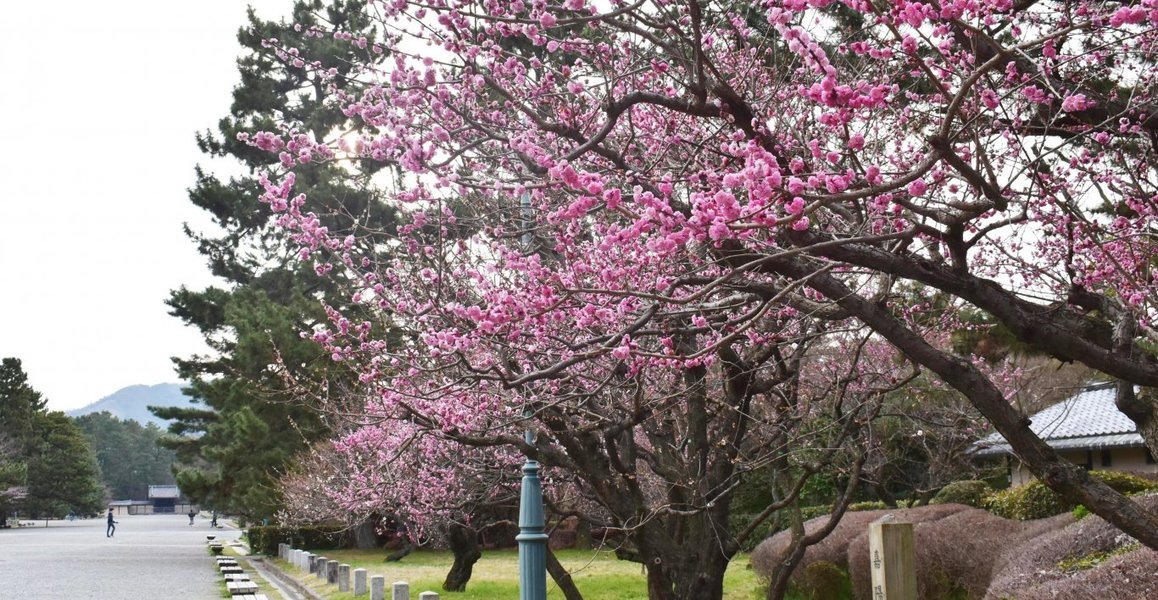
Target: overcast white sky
<point>98,109</point>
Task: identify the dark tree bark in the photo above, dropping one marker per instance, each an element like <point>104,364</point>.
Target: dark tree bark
<point>1033,324</point>
<point>562,577</point>
<point>400,553</point>
<point>365,534</point>
<point>463,542</point>
<point>1142,407</point>
<point>1059,474</point>
<point>778,586</point>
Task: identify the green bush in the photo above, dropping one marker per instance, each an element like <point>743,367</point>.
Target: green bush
<point>1125,483</point>
<point>823,580</point>
<point>811,512</point>
<point>264,539</point>
<point>870,505</point>
<point>969,492</point>
<point>1036,501</point>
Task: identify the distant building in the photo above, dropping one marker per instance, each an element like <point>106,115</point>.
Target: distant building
<point>121,508</point>
<point>1087,429</point>
<point>163,499</point>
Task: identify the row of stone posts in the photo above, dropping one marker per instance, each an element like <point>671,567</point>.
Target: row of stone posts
<point>347,580</point>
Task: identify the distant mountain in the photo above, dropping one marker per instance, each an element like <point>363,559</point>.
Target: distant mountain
<point>133,402</point>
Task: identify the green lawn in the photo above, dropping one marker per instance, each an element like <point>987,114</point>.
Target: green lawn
<point>598,575</point>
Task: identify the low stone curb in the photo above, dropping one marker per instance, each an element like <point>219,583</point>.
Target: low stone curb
<point>270,569</point>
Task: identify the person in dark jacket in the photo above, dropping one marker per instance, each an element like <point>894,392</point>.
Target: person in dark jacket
<point>112,525</point>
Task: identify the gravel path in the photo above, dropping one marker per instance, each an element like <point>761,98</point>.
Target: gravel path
<point>151,557</point>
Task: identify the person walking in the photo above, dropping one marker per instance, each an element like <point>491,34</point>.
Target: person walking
<point>112,528</point>
<point>192,513</point>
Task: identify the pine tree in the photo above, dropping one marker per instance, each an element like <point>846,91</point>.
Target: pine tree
<point>20,405</point>
<point>259,391</point>
<point>63,476</point>
<point>47,468</point>
<point>128,455</point>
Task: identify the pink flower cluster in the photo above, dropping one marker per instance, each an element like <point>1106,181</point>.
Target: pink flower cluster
<point>629,206</point>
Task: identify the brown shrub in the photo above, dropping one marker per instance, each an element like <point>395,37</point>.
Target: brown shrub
<point>769,553</point>
<point>1131,576</point>
<point>1024,539</point>
<point>834,548</point>
<point>956,554</point>
<point>956,551</point>
<point>1033,564</point>
<point>977,554</point>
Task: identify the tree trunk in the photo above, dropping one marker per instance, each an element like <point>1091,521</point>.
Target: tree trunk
<point>878,487</point>
<point>463,542</point>
<point>681,571</point>
<point>659,585</point>
<point>778,586</point>
<point>923,497</point>
<point>365,534</point>
<point>1142,408</point>
<point>700,578</point>
<point>400,553</point>
<point>1059,474</point>
<point>562,577</point>
<point>1030,323</point>
<point>778,580</point>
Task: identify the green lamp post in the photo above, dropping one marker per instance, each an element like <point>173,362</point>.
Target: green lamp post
<point>532,539</point>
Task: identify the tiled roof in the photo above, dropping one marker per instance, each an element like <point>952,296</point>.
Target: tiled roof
<point>1089,419</point>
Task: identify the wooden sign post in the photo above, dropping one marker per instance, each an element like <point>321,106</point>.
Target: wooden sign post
<point>894,574</point>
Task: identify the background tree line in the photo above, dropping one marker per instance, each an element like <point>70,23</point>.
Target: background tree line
<point>48,469</point>
<point>52,465</point>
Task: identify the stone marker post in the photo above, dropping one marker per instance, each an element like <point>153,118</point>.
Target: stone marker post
<point>331,572</point>
<point>378,587</point>
<point>401,590</point>
<point>359,582</point>
<point>428,596</point>
<point>343,578</point>
<point>894,573</point>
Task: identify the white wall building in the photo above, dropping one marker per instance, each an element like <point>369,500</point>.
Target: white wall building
<point>1087,429</point>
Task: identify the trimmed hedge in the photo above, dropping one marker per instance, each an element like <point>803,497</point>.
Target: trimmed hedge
<point>264,539</point>
<point>1036,501</point>
<point>970,492</point>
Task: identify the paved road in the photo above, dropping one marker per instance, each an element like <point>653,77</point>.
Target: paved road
<point>151,557</point>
